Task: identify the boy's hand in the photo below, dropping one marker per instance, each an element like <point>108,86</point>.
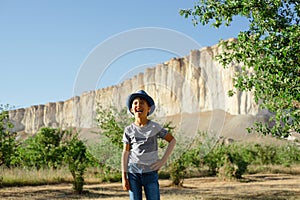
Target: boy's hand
<point>157,165</point>
<point>125,184</point>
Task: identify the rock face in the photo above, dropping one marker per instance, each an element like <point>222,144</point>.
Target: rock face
<point>194,83</point>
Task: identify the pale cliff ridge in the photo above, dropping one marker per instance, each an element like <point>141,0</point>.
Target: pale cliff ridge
<point>191,84</point>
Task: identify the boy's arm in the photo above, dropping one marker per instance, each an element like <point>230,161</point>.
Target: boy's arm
<point>125,155</point>
<point>172,141</point>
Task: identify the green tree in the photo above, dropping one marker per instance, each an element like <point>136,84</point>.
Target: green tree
<point>78,158</point>
<point>7,137</point>
<point>112,123</point>
<point>42,150</point>
<point>269,52</point>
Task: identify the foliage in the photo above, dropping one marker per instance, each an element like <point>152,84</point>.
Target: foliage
<point>112,123</point>
<point>269,52</point>
<point>7,138</point>
<point>189,154</point>
<point>232,161</point>
<point>226,161</point>
<point>258,154</point>
<point>178,164</point>
<point>42,150</point>
<point>177,171</point>
<point>264,154</point>
<point>78,158</point>
<point>287,155</point>
<point>52,148</point>
<point>228,170</point>
<point>107,155</point>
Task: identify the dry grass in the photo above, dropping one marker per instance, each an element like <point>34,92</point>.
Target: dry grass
<point>32,177</point>
<point>19,176</point>
<point>255,187</point>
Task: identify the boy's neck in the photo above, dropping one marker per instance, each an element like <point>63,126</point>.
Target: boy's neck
<point>141,121</point>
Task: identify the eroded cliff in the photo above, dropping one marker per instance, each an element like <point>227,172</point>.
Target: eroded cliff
<point>194,83</point>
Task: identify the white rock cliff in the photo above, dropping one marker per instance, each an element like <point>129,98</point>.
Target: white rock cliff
<point>195,83</point>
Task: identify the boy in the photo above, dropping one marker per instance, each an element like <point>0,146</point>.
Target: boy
<point>140,163</point>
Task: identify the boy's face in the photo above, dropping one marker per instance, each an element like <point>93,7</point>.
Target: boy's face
<point>140,107</point>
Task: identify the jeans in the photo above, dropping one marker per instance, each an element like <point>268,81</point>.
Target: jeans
<point>147,179</point>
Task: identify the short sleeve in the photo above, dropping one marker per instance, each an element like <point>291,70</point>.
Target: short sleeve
<point>162,133</point>
<point>126,138</point>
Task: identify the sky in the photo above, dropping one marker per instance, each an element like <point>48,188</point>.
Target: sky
<point>52,50</point>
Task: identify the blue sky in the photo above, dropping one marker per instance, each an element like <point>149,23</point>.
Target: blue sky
<point>44,43</point>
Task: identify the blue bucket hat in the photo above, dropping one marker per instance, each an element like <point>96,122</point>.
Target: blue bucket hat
<point>141,94</point>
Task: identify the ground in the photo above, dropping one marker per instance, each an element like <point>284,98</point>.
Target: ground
<point>254,187</point>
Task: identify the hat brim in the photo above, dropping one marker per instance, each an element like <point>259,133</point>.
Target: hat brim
<point>147,97</point>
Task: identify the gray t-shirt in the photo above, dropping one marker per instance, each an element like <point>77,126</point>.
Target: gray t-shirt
<point>143,142</point>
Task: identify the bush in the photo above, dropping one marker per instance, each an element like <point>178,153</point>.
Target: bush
<point>177,171</point>
<point>77,157</point>
<point>228,170</point>
<point>226,161</point>
<point>266,154</point>
<point>7,138</point>
<point>233,166</point>
<point>42,150</point>
<point>258,154</point>
<point>287,155</point>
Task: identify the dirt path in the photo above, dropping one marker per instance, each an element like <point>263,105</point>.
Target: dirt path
<point>254,187</point>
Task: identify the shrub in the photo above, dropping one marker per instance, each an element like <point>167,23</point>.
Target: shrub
<point>228,170</point>
<point>7,138</point>
<point>266,154</point>
<point>259,154</point>
<point>287,155</point>
<point>177,171</point>
<point>41,150</point>
<point>78,159</point>
<point>226,161</point>
<point>233,166</point>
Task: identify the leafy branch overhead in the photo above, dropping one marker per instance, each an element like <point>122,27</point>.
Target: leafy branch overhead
<point>268,52</point>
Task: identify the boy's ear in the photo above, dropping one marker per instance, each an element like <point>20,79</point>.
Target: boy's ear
<point>131,109</point>
<point>149,109</point>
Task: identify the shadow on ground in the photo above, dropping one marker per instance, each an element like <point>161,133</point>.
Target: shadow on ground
<point>254,187</point>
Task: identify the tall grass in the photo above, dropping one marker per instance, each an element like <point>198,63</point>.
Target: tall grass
<point>274,169</point>
<point>47,176</point>
<point>23,176</point>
